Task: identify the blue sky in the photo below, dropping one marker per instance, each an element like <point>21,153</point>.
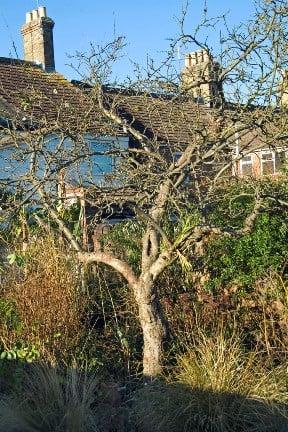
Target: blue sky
<point>146,24</point>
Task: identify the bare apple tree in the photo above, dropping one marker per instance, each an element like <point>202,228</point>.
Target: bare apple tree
<point>187,133</point>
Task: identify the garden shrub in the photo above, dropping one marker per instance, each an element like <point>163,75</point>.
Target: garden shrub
<point>42,303</point>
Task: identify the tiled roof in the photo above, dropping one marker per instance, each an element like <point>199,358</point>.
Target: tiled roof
<point>49,100</point>
<point>179,120</point>
<point>6,111</point>
<point>45,99</point>
<point>163,118</point>
<point>166,119</point>
<point>251,140</point>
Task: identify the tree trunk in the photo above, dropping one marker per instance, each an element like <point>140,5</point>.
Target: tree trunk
<point>153,327</point>
<point>150,316</point>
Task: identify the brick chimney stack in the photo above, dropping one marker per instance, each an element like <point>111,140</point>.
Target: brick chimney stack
<point>37,35</point>
<point>200,78</point>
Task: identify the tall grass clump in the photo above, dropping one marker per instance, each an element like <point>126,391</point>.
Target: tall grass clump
<point>221,364</point>
<point>50,401</point>
<point>216,386</point>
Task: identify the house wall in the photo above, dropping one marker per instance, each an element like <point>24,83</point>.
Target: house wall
<point>15,161</point>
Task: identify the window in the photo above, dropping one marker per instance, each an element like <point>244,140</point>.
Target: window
<point>280,160</point>
<point>246,166</point>
<point>267,163</point>
<point>102,156</point>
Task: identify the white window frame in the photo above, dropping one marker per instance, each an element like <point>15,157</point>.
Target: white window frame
<point>243,162</point>
<point>235,155</point>
<point>262,162</point>
<point>284,161</point>
<point>259,155</point>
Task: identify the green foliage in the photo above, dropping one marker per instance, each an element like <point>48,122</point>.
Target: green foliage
<point>21,352</point>
<point>186,219</point>
<point>13,362</point>
<point>245,259</point>
<point>72,216</point>
<point>125,239</point>
<point>12,358</point>
<point>16,258</point>
<point>242,260</point>
<point>9,316</point>
<point>232,203</point>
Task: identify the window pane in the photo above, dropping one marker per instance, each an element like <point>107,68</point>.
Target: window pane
<point>247,159</point>
<point>279,161</point>
<point>267,156</point>
<point>246,169</point>
<point>176,156</point>
<point>267,167</point>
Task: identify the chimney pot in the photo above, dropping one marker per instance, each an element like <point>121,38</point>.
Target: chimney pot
<point>206,56</point>
<point>202,83</point>
<point>193,58</point>
<point>28,17</point>
<point>35,15</point>
<point>187,60</point>
<point>42,12</point>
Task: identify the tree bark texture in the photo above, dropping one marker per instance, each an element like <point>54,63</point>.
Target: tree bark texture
<point>153,327</point>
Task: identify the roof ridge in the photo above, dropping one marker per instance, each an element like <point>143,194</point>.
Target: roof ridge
<point>10,60</point>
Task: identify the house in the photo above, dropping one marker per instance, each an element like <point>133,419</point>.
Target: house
<point>254,154</point>
<point>34,97</point>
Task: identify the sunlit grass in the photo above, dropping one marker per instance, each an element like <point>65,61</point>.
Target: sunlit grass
<point>216,386</point>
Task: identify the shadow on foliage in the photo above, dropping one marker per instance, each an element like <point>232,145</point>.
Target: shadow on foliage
<point>47,400</point>
<point>179,408</point>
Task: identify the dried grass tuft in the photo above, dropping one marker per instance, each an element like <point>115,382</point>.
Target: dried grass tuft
<point>217,387</point>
